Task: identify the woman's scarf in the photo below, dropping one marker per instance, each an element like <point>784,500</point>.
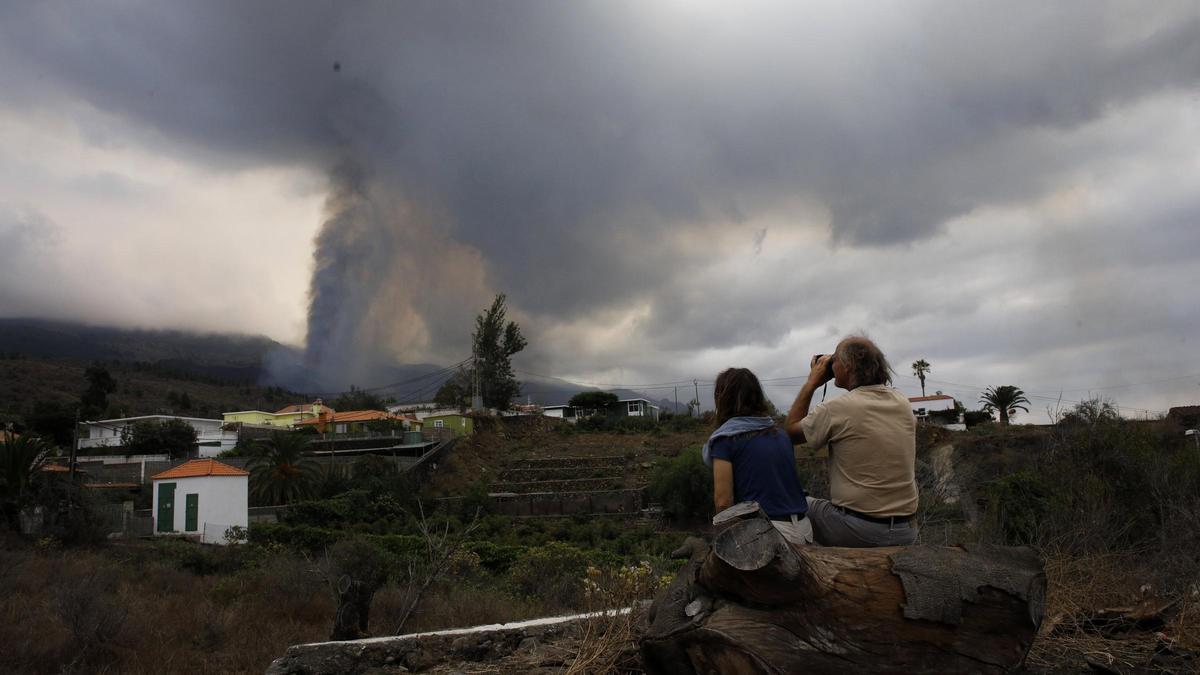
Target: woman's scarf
<point>733,427</point>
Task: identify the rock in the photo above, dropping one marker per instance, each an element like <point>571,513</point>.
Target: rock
<point>529,644</point>
<point>419,659</point>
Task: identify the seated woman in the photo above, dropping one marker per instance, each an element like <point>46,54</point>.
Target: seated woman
<point>752,458</point>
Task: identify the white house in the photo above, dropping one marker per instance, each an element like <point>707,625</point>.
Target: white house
<point>202,497</point>
<point>636,407</point>
<point>210,434</point>
<point>922,406</point>
<point>562,412</point>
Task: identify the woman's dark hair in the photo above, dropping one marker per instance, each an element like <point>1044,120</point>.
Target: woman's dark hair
<point>865,361</point>
<point>738,394</point>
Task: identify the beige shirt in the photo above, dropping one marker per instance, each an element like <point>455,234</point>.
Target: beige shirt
<point>872,439</point>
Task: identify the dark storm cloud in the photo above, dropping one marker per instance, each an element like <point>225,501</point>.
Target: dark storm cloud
<point>547,149</point>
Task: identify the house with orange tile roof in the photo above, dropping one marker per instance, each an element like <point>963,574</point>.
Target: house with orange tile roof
<point>356,421</point>
<point>201,498</point>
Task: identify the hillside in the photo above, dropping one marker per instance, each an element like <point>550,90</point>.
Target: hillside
<point>141,389</point>
<point>246,360</point>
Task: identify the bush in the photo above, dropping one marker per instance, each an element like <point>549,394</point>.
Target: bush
<point>1018,506</point>
<point>553,572</point>
<point>683,486</point>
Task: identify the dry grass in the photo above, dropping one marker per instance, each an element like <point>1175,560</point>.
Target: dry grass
<point>1079,587</point>
<point>94,612</point>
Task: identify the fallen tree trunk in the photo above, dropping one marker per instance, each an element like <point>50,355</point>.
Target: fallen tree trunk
<point>752,603</point>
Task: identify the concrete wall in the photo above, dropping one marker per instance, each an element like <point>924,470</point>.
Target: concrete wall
<point>223,502</point>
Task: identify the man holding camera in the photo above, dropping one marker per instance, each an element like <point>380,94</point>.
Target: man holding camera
<point>871,435</point>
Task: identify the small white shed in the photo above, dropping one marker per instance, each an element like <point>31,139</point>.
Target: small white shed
<point>203,498</point>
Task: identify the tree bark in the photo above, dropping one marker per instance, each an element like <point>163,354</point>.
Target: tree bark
<point>752,603</point>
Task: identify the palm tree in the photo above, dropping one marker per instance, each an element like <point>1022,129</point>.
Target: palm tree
<point>20,460</point>
<point>1006,399</point>
<point>281,473</point>
<point>920,367</point>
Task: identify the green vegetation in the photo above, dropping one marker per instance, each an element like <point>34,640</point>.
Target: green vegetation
<point>175,437</point>
<point>919,368</point>
<point>280,472</point>
<point>1005,399</point>
<point>94,400</point>
<point>494,342</point>
<point>593,401</point>
<point>683,486</point>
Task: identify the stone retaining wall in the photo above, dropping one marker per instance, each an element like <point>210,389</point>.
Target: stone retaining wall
<point>523,647</point>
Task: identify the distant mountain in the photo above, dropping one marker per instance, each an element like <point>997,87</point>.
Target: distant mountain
<point>238,358</point>
<point>250,359</point>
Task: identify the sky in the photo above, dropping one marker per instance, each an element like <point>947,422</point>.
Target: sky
<point>662,189</point>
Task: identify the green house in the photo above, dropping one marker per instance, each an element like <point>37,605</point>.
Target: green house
<point>459,423</point>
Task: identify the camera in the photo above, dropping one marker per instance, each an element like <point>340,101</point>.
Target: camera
<point>828,366</point>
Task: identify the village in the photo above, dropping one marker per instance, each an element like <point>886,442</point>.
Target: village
<point>205,490</point>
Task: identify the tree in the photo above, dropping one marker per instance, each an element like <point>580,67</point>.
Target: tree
<point>1006,399</point>
<point>591,402</point>
<point>52,421</point>
<point>357,399</point>
<point>456,391</point>
<point>920,367</point>
<point>94,399</point>
<point>281,473</point>
<point>174,437</point>
<point>493,344</point>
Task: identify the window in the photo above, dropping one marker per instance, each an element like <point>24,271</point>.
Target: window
<point>438,424</point>
<point>339,429</point>
<point>635,408</point>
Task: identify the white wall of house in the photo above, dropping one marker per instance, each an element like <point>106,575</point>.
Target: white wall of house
<point>211,438</point>
<point>223,501</point>
<point>922,408</point>
<point>638,407</point>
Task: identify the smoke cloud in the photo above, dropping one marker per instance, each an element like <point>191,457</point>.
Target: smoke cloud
<point>620,164</point>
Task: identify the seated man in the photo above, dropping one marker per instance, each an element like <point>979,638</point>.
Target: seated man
<point>871,435</point>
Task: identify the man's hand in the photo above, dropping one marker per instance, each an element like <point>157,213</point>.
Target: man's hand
<point>819,372</point>
<point>817,376</point>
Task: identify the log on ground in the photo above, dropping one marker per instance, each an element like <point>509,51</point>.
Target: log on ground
<point>752,603</point>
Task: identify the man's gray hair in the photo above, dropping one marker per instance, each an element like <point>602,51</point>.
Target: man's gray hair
<point>864,360</point>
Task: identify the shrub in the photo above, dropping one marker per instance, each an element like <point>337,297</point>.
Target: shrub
<point>553,572</point>
<point>1018,506</point>
<point>683,486</point>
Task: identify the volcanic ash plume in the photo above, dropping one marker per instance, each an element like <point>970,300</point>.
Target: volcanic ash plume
<point>388,285</point>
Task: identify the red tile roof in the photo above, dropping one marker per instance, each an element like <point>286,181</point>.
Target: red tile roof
<point>200,467</point>
<point>303,408</point>
<point>939,397</point>
<point>352,416</point>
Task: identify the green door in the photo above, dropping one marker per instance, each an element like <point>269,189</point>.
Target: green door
<point>166,507</point>
<point>189,518</point>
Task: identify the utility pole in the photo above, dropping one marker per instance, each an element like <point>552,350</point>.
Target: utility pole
<point>476,393</point>
<point>676,399</point>
<point>697,386</point>
<point>71,468</point>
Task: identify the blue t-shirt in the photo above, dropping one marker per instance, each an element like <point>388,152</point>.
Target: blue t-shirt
<point>764,471</point>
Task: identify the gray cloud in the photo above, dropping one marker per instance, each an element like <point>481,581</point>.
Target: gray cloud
<point>566,152</point>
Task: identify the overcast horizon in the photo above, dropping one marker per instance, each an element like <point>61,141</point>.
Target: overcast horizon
<point>662,189</point>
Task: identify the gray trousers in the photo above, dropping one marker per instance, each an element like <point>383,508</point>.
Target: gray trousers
<point>834,527</point>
